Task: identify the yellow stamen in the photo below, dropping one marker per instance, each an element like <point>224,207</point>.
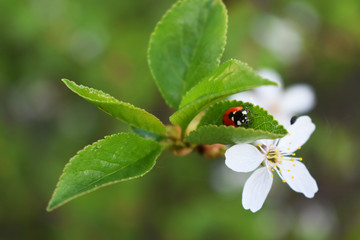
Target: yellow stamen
<point>293,154</point>
<point>288,170</point>
<point>294,165</point>
<point>284,180</point>
<point>292,177</point>
<point>299,147</point>
<point>300,159</point>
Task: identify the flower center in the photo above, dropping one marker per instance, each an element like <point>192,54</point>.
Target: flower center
<point>271,152</point>
<point>273,155</point>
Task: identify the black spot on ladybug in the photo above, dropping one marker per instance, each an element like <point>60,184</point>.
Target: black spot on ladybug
<point>239,118</point>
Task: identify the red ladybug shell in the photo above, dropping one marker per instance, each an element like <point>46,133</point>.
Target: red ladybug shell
<point>227,120</point>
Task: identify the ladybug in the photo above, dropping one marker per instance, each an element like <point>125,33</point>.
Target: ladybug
<point>237,116</point>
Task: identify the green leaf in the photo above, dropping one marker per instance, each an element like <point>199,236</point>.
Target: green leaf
<point>231,77</point>
<point>211,134</point>
<point>126,112</point>
<point>211,129</point>
<point>115,158</point>
<point>148,135</point>
<point>186,45</point>
<point>260,118</point>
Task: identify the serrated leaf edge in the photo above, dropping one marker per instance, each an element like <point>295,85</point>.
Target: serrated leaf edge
<point>149,49</point>
<point>241,103</point>
<point>179,2</point>
<point>218,59</point>
<point>276,135</point>
<point>217,97</point>
<point>113,101</point>
<point>209,77</point>
<point>49,209</point>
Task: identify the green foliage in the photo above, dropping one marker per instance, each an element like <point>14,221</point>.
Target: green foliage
<point>148,135</point>
<point>92,40</point>
<point>231,77</point>
<point>260,118</point>
<point>126,112</point>
<point>115,158</point>
<point>211,134</point>
<point>186,45</point>
<point>184,56</point>
<point>211,129</point>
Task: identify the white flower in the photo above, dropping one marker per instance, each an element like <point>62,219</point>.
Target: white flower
<point>279,102</point>
<point>273,156</point>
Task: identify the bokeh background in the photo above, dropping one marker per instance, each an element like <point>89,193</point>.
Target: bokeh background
<point>103,44</point>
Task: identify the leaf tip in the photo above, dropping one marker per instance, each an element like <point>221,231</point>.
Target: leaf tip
<point>67,82</point>
<point>55,203</point>
<point>50,207</point>
<point>64,80</point>
<point>270,82</point>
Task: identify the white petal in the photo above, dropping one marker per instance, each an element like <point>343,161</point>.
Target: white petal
<point>266,142</point>
<point>298,178</point>
<point>299,133</point>
<point>283,119</point>
<point>247,96</point>
<point>268,96</point>
<point>299,98</point>
<point>256,189</point>
<point>243,157</point>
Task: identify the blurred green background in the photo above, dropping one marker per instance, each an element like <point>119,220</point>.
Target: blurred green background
<point>103,44</point>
